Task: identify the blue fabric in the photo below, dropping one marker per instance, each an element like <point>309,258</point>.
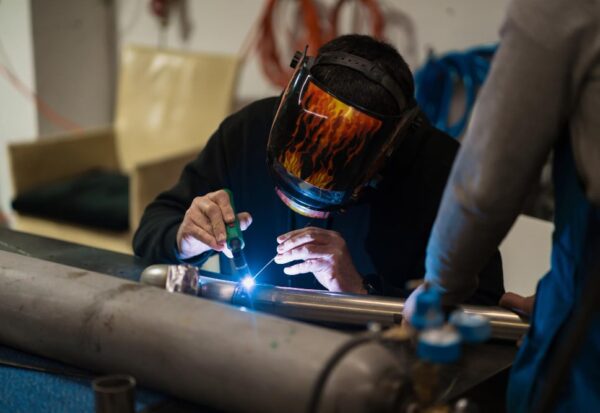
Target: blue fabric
<point>435,84</point>
<point>25,391</point>
<point>576,240</point>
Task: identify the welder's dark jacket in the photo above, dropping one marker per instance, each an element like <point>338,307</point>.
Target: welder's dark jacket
<point>386,233</point>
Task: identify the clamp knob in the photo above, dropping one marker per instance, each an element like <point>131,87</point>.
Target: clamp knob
<point>428,312</point>
<point>473,328</point>
<point>439,345</point>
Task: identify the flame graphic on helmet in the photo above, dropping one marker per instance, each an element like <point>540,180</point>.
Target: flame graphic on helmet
<point>328,136</point>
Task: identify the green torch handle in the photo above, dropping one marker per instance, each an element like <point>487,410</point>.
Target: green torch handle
<point>235,239</point>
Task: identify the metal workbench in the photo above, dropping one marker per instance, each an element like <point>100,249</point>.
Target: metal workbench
<point>481,373</point>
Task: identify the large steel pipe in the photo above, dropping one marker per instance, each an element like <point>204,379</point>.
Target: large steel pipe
<point>199,350</point>
<point>323,306</point>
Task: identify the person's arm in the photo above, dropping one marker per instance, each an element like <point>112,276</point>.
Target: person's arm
<point>520,112</point>
<point>156,237</point>
<point>517,303</point>
<point>185,224</point>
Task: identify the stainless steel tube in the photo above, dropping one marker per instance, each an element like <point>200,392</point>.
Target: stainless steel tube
<point>318,305</point>
<point>198,350</point>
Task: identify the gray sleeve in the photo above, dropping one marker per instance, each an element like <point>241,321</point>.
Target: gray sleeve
<point>519,114</point>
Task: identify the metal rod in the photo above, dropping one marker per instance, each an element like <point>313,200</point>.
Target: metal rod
<point>317,305</point>
<point>324,306</point>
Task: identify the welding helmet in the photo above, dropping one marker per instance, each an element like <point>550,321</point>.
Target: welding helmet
<point>323,149</point>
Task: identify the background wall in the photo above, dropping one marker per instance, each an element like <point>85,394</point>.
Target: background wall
<point>74,48</point>
<point>74,44</point>
<point>223,25</point>
<point>18,119</point>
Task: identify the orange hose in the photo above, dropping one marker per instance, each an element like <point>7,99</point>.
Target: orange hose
<point>45,110</point>
<point>278,72</point>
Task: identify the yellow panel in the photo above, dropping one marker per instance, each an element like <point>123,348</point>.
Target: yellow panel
<point>61,156</point>
<point>170,102</point>
<point>148,180</point>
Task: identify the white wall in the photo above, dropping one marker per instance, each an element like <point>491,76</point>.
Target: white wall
<point>74,56</point>
<point>445,25</point>
<point>18,120</point>
<point>222,26</point>
<point>526,252</point>
<point>219,26</point>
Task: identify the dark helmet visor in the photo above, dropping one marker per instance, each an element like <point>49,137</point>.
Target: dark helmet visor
<point>323,149</point>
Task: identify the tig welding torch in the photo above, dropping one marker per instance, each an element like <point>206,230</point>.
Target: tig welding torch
<point>235,242</point>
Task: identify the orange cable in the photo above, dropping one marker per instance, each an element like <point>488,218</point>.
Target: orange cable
<point>372,6</point>
<point>277,72</point>
<point>45,110</point>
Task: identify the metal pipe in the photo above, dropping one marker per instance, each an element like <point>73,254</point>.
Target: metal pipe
<point>114,394</point>
<point>198,350</point>
<point>324,306</point>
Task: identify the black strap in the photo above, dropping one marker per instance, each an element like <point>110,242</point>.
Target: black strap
<point>370,69</point>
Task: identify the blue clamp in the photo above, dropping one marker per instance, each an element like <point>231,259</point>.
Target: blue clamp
<point>428,313</point>
<point>473,328</point>
<point>439,345</point>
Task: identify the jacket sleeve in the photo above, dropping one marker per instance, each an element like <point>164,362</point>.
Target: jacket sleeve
<point>520,113</point>
<point>155,238</point>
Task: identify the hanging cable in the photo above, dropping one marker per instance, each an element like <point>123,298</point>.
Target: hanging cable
<point>333,361</point>
<point>44,108</point>
<point>314,25</point>
<point>273,67</point>
<point>436,85</point>
<point>372,6</point>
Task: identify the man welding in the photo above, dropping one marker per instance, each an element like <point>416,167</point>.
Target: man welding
<point>342,174</point>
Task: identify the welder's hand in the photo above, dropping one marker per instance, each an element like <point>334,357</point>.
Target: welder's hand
<point>517,303</point>
<point>203,226</point>
<point>323,253</point>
